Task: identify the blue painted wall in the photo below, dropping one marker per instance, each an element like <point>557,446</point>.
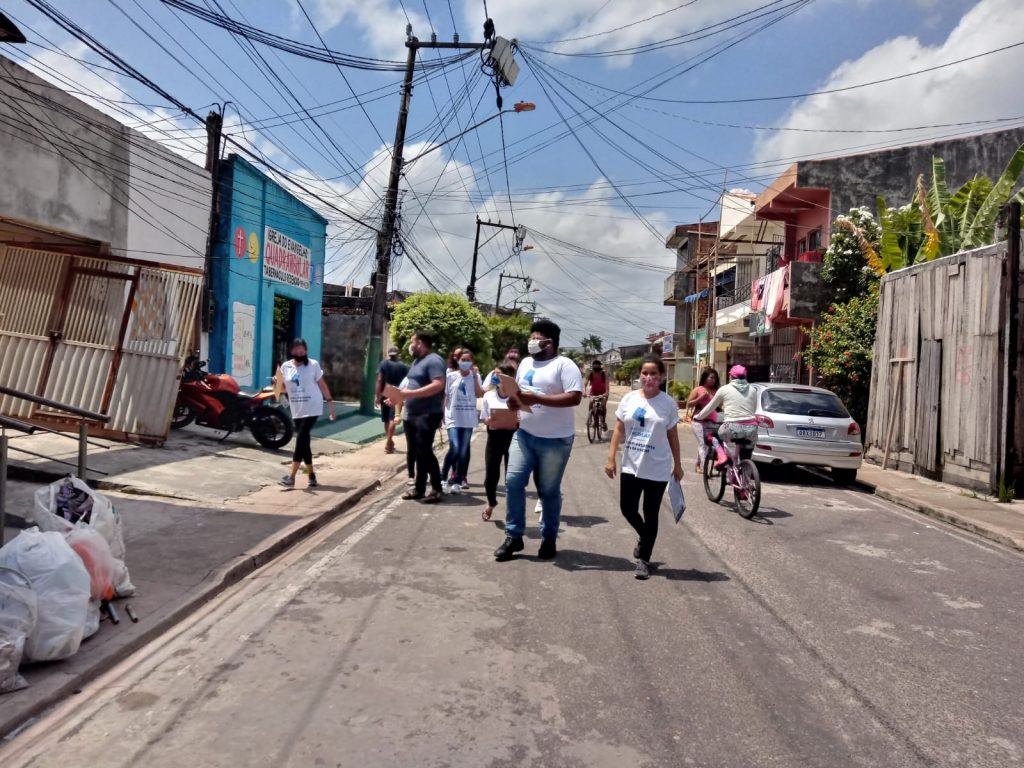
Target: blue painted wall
<point>251,202</point>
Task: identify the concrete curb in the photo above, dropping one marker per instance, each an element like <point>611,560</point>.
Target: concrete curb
<point>943,515</point>
<point>226,576</point>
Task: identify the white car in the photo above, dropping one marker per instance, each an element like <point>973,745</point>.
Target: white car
<point>809,426</point>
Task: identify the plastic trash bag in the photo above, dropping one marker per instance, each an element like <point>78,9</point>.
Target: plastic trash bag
<point>17,620</point>
<point>70,503</point>
<point>61,585</point>
<point>95,553</point>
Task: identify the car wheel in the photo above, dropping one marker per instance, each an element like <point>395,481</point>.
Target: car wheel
<point>844,476</point>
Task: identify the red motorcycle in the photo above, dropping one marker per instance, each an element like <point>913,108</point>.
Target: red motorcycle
<point>215,400</point>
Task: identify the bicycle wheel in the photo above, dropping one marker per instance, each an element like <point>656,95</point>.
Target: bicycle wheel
<point>591,426</point>
<point>598,427</point>
<point>747,494</point>
<point>714,479</point>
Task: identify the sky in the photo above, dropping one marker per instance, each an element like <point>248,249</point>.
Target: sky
<point>644,113</point>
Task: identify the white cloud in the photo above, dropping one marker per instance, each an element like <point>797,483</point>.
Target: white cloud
<point>983,89</point>
<point>382,22</point>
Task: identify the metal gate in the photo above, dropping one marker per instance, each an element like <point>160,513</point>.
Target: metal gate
<point>101,334</point>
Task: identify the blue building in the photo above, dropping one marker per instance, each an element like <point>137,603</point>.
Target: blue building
<point>267,277</point>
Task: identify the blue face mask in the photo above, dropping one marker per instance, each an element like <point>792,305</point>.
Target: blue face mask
<point>466,365</point>
<point>495,381</point>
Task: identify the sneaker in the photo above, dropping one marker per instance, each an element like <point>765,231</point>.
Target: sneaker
<point>444,487</point>
<point>539,509</point>
<point>287,481</point>
<point>454,488</point>
<point>465,485</point>
<point>312,480</point>
<point>547,550</point>
<point>508,548</point>
<point>643,570</point>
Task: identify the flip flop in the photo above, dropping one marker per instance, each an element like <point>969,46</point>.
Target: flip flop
<point>432,498</point>
<point>412,496</point>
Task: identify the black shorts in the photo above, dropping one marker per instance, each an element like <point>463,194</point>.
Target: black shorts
<point>387,413</point>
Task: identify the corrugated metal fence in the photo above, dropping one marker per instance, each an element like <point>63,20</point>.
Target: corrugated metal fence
<point>105,335</point>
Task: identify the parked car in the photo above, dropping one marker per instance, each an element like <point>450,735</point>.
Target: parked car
<point>808,426</point>
<point>636,384</point>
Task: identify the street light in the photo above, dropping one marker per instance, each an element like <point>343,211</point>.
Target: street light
<point>9,32</point>
<point>521,106</point>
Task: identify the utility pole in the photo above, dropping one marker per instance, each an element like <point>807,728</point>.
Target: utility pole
<point>512,279</point>
<point>1012,343</point>
<point>516,248</point>
<point>214,132</point>
<point>507,70</point>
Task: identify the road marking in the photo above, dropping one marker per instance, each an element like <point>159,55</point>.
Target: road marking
<point>317,569</point>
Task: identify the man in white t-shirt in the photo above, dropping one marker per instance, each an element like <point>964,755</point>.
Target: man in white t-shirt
<point>552,386</point>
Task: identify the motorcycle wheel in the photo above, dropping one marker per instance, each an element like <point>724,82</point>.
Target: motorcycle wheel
<point>182,416</point>
<point>272,428</point>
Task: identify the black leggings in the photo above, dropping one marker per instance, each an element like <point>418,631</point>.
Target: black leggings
<point>303,451</point>
<point>498,442</point>
<point>410,449</point>
<point>631,488</point>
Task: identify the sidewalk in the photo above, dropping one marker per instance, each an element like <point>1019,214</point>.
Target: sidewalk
<point>1002,523</point>
<point>198,516</point>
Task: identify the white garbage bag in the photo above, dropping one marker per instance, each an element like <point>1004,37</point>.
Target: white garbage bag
<point>17,620</point>
<point>62,588</point>
<point>67,503</point>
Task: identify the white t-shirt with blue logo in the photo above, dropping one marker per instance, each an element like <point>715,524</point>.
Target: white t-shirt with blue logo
<point>460,400</point>
<point>302,383</point>
<point>549,377</point>
<point>646,453</point>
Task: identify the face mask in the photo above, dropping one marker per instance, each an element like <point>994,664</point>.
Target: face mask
<point>495,381</point>
<point>652,382</point>
<point>301,359</point>
<point>412,350</point>
<point>466,365</point>
<point>533,347</point>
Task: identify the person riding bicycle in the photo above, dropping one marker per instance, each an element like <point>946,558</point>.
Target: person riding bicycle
<point>738,401</point>
<point>597,386</point>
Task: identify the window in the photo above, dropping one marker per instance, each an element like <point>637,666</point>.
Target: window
<point>814,240</point>
<point>794,402</point>
<point>801,247</point>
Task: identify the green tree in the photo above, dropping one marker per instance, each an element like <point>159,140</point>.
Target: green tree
<point>451,319</point>
<point>847,264</point>
<point>842,345</point>
<point>592,345</point>
<point>629,370</point>
<point>508,331</point>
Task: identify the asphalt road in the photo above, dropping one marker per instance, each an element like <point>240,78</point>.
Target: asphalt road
<point>833,630</point>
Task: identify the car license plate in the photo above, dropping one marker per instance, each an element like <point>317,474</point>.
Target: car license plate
<point>812,432</point>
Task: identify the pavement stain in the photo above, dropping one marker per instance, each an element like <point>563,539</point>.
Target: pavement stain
<point>958,603</point>
<point>136,700</point>
<point>877,628</point>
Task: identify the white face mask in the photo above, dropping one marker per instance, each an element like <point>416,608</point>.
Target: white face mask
<point>412,350</point>
<point>533,347</point>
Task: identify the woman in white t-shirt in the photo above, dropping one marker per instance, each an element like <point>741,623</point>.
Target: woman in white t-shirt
<point>303,381</point>
<point>501,428</point>
<point>646,419</point>
<point>462,388</point>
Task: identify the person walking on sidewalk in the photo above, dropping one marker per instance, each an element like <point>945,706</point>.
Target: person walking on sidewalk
<point>501,428</point>
<point>391,371</point>
<point>462,388</point>
<point>424,409</point>
<point>646,419</point>
<point>700,397</point>
<point>552,386</point>
<point>303,381</point>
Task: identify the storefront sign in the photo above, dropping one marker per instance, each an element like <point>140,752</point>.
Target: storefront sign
<point>666,345</point>
<point>286,260</point>
<point>243,342</point>
<point>758,321</point>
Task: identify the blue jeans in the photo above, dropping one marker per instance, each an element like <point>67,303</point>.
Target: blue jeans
<point>457,458</point>
<point>546,457</point>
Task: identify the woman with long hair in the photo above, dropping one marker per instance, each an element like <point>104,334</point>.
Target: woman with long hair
<point>462,388</point>
<point>303,380</point>
<point>699,398</point>
<point>646,424</point>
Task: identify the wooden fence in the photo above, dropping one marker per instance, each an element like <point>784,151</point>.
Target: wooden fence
<point>938,385</point>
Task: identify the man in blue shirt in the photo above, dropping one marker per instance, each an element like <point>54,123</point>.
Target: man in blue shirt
<point>391,371</point>
<point>424,410</point>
